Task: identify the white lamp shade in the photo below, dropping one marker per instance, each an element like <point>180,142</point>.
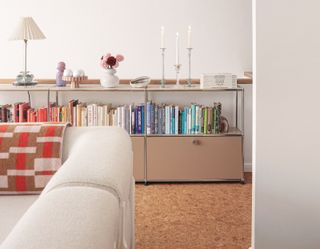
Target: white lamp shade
<point>27,29</point>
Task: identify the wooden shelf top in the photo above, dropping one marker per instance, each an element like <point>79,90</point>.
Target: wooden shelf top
<point>246,79</point>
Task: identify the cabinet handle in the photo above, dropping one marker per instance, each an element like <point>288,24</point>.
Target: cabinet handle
<point>196,142</point>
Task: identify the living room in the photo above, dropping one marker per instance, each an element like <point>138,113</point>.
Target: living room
<point>157,124</point>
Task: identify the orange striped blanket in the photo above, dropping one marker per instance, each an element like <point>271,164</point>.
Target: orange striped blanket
<point>29,155</point>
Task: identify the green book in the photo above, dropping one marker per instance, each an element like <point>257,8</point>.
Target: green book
<point>205,121</point>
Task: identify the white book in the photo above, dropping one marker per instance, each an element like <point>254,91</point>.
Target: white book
<point>84,116</point>
<point>123,117</point>
<point>189,121</point>
<point>99,115</point>
<point>115,117</point>
<point>118,123</point>
<point>89,115</point>
<point>95,114</point>
<point>128,116</point>
<point>130,119</point>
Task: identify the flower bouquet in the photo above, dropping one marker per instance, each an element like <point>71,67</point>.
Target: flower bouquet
<point>109,63</point>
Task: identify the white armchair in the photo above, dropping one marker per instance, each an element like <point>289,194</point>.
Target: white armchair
<point>89,203</point>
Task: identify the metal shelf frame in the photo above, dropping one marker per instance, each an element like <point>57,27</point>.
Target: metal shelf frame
<point>237,130</point>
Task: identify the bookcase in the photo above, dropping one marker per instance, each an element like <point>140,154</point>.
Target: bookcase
<point>173,157</point>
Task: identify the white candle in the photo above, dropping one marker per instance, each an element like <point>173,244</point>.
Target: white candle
<point>162,37</point>
<point>189,37</point>
<point>177,48</point>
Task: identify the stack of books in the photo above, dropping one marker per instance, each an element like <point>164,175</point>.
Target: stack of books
<point>160,118</point>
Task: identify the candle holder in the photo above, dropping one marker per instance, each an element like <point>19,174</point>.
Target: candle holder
<point>189,76</point>
<point>163,81</point>
<point>177,68</point>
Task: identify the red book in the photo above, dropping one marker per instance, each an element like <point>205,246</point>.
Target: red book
<point>23,109</point>
<point>4,114</point>
<point>31,115</point>
<point>42,114</point>
<point>16,112</point>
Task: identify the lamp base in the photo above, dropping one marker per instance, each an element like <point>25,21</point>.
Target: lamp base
<point>33,83</point>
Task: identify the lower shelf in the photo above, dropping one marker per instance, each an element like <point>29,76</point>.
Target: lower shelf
<point>183,159</point>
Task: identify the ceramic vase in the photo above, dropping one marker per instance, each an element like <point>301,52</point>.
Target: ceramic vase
<point>108,78</point>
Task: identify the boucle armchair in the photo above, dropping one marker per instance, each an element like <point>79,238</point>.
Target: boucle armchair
<point>89,202</point>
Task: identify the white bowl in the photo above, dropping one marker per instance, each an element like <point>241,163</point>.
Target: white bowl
<point>140,82</point>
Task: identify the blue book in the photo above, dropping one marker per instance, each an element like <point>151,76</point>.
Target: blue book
<point>193,118</point>
<point>182,122</point>
<point>148,118</point>
<point>173,117</point>
<point>152,119</point>
<point>159,120</point>
<point>185,120</point>
<point>138,120</point>
<point>156,119</point>
<point>142,119</point>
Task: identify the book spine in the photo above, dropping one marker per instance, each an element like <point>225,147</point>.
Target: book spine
<point>149,118</point>
<point>156,119</point>
<point>142,119</point>
<point>205,121</point>
<point>152,119</point>
<point>176,112</point>
<point>139,119</point>
<point>130,119</point>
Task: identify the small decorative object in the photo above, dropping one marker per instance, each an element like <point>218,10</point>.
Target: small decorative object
<point>78,73</point>
<point>67,73</point>
<point>140,82</point>
<point>26,30</point>
<point>109,63</point>
<point>163,49</point>
<point>222,80</point>
<point>224,124</point>
<point>74,78</point>
<point>61,68</point>
<point>25,78</point>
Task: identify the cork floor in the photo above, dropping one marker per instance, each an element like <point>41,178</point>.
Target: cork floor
<point>195,216</point>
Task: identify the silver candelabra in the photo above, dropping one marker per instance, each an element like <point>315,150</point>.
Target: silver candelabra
<point>189,76</point>
<point>163,81</point>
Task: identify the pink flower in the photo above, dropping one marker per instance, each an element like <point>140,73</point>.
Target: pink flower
<point>116,65</point>
<point>119,57</point>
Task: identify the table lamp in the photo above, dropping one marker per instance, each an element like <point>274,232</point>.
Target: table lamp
<point>26,30</point>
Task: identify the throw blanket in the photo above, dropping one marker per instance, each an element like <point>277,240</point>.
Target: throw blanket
<point>29,155</point>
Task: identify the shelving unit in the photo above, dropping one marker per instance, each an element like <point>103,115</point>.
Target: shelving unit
<point>175,158</point>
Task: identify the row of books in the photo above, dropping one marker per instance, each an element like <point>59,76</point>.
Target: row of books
<point>173,119</point>
<point>160,118</point>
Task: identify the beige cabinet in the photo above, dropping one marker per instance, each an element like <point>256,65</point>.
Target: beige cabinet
<point>138,157</point>
<point>194,158</point>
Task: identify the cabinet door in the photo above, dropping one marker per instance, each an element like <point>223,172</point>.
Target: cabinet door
<point>194,158</point>
<point>138,157</point>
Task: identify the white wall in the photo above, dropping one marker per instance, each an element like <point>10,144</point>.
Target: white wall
<point>80,31</point>
<point>287,198</point>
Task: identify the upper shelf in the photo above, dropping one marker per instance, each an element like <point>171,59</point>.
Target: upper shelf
<point>120,88</point>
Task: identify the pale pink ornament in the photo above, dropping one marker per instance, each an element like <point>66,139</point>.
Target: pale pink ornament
<point>119,57</point>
